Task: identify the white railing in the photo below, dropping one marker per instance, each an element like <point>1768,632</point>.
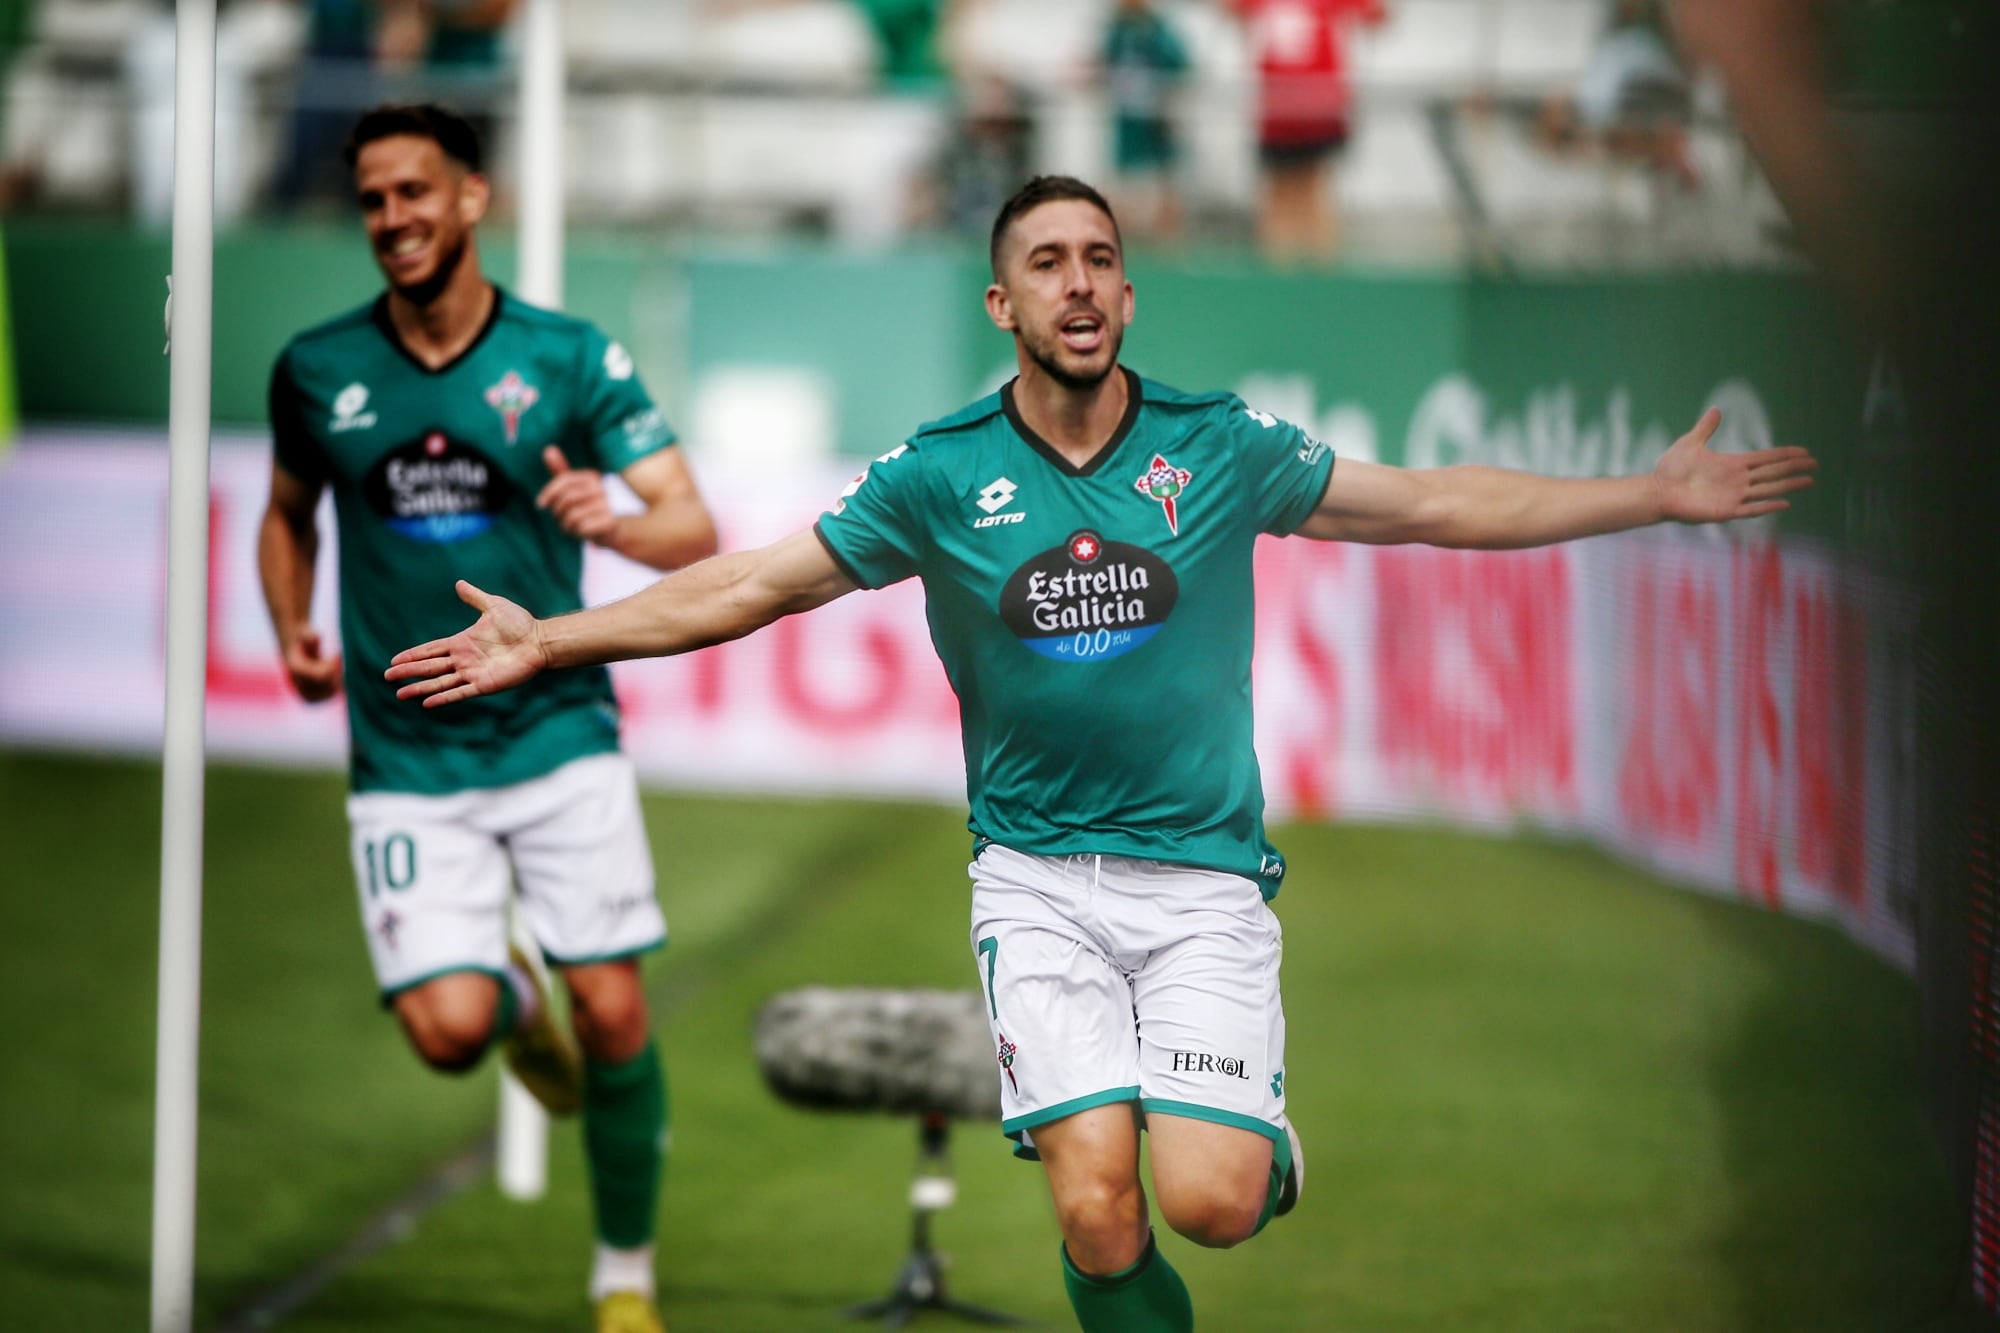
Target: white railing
<point>773,119</point>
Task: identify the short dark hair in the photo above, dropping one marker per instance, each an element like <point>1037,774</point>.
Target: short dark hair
<point>1044,190</point>
<point>426,120</point>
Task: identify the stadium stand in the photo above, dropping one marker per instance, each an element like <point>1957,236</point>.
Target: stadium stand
<point>773,115</point>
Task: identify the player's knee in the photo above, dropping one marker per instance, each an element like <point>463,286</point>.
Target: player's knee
<point>452,1047</point>
<point>449,1027</point>
<point>608,1010</point>
<point>1217,1220</point>
<point>1103,1217</point>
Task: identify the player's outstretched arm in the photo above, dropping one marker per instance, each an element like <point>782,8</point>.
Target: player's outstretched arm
<point>1496,508</point>
<point>712,602</point>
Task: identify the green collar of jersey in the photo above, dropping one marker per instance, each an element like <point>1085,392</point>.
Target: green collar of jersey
<point>1133,395</point>
<point>379,315</point>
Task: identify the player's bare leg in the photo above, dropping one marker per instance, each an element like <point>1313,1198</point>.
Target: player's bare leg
<point>624,1136</point>
<point>608,1009</point>
<point>1212,1182</point>
<point>452,1020</point>
<point>449,1019</point>
<point>1118,1281</point>
<point>1092,1160</point>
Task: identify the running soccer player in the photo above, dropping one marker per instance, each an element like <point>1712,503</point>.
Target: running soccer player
<point>1084,537</point>
<point>459,428</point>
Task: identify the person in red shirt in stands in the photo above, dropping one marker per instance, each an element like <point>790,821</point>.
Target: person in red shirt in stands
<point>1304,104</point>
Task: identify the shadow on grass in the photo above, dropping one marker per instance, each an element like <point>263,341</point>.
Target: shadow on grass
<point>1839,1188</point>
<point>89,1265</point>
<point>367,1304</point>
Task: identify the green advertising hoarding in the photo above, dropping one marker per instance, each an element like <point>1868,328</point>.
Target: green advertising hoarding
<point>1568,375</point>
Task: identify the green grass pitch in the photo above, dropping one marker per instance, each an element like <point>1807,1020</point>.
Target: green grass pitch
<point>1538,1090</point>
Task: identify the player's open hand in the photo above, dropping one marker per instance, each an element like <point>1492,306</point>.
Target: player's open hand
<point>1699,485</point>
<point>314,673</point>
<point>502,649</point>
<point>577,498</point>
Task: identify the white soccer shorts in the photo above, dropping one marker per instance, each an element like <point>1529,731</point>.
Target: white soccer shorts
<point>435,873</point>
<point>1116,980</point>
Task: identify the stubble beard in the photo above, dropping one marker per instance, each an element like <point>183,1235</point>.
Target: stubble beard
<point>1048,355</point>
<point>424,291</point>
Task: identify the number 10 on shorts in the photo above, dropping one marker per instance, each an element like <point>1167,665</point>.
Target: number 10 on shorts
<point>391,864</point>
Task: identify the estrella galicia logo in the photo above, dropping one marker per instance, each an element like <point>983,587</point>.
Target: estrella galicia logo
<point>1089,600</point>
<point>437,490</point>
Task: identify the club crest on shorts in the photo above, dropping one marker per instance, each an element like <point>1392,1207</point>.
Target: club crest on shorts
<point>1165,482</point>
<point>511,397</point>
<point>388,926</point>
<point>1006,1055</point>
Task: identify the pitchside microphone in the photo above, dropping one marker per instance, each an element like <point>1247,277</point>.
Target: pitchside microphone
<point>857,1049</point>
<point>926,1053</point>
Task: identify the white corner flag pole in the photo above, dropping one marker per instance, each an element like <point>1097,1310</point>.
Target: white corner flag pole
<point>189,331</point>
<point>524,1126</point>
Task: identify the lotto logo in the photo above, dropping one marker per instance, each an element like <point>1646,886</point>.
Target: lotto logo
<point>999,493</point>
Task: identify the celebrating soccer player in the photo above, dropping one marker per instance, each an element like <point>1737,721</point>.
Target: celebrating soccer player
<point>1084,537</point>
<point>460,429</point>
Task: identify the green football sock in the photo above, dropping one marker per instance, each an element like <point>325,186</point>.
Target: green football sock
<point>624,1137</point>
<point>1148,1297</point>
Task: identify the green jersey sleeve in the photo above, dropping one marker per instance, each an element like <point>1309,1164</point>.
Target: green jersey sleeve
<point>620,424</point>
<point>1287,469</point>
<point>875,529</point>
<point>292,443</point>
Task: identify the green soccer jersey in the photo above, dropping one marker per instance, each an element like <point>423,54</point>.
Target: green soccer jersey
<point>434,475</point>
<point>1095,622</point>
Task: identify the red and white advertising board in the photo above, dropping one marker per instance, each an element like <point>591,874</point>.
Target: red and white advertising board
<point>1729,710</point>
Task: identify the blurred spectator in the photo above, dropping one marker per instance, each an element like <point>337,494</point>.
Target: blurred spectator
<point>16,20</point>
<point>361,52</point>
<point>1632,99</point>
<point>1304,107</point>
<point>907,30</point>
<point>1143,65</point>
<point>252,37</point>
<point>984,160</point>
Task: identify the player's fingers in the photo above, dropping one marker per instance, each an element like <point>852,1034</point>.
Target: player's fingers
<point>476,598</point>
<point>1705,427</point>
<point>452,696</point>
<point>555,460</point>
<point>1760,508</point>
<point>423,689</point>
<point>1791,459</point>
<point>563,490</point>
<point>423,660</point>
<point>1764,490</point>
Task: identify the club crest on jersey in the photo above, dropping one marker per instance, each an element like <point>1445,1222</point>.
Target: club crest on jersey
<point>1008,1050</point>
<point>1165,482</point>
<point>511,397</point>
